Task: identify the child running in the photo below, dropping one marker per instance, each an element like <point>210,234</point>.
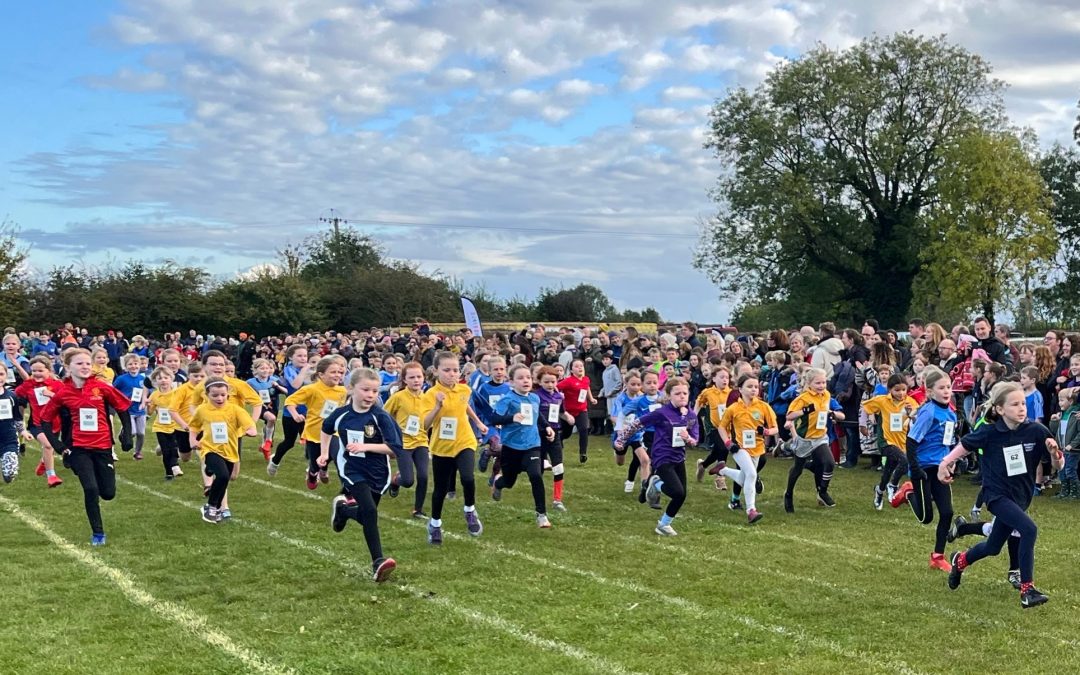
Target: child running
<point>296,373</point>
<point>169,423</point>
<point>84,398</point>
<point>133,420</point>
<point>37,391</point>
<point>405,406</point>
<point>651,400</point>
<point>518,413</point>
<point>894,412</point>
<point>446,413</point>
<point>811,411</point>
<point>675,426</point>
<point>1013,447</point>
<point>928,441</point>
<point>714,399</point>
<point>215,431</point>
<point>10,415</point>
<point>321,397</point>
<point>624,413</point>
<point>268,386</point>
<point>551,416</point>
<point>577,397</point>
<point>367,437</point>
<point>743,428</point>
<point>483,401</point>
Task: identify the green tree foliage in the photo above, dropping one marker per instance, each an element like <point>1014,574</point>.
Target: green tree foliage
<point>1057,303</point>
<point>990,230</point>
<point>831,163</point>
<point>13,283</point>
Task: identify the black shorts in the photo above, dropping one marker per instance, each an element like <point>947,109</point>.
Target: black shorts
<point>630,445</point>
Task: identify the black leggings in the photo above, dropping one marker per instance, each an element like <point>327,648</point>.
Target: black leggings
<point>366,512</point>
<point>581,423</point>
<point>761,461</point>
<point>674,486</point>
<point>443,470</point>
<point>98,478</point>
<point>926,494</point>
<point>413,467</point>
<point>895,466</point>
<point>821,464</point>
<point>1008,516</point>
<point>718,451</point>
<point>311,452</point>
<point>292,429</point>
<point>126,439</point>
<point>170,450</point>
<point>220,470</point>
<point>635,463</point>
<point>515,461</point>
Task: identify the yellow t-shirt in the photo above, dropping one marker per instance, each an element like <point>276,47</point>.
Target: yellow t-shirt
<point>184,399</point>
<point>321,400</point>
<point>162,410</point>
<point>450,430</point>
<point>816,424</point>
<point>241,393</point>
<point>221,429</point>
<point>103,373</point>
<point>716,401</point>
<point>407,410</point>
<point>893,421</point>
<point>741,421</point>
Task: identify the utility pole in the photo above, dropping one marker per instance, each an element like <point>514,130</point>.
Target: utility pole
<point>335,219</point>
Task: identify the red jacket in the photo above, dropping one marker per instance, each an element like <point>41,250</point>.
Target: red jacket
<point>90,426</point>
<point>25,390</point>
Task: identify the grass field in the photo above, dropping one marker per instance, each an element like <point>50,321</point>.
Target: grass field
<point>844,590</point>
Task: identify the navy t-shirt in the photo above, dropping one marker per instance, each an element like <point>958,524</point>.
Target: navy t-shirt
<point>374,426</point>
<point>1008,451</point>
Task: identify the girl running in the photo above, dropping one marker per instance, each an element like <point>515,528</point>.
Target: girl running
<point>100,358</point>
<point>215,431</point>
<point>578,396</point>
<point>10,415</point>
<point>36,391</point>
<point>85,397</point>
<point>169,423</point>
<point>715,399</point>
<point>928,441</point>
<point>321,397</point>
<point>551,417</point>
<point>894,412</point>
<point>367,437</point>
<point>268,386</point>
<point>1013,447</point>
<point>625,407</point>
<point>811,412</point>
<point>405,406</point>
<point>676,426</point>
<point>133,420</point>
<point>651,400</point>
<point>743,428</point>
<point>446,413</point>
<point>518,413</point>
<point>296,373</point>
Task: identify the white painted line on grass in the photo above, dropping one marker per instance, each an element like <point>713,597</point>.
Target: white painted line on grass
<point>176,614</point>
<point>595,662</point>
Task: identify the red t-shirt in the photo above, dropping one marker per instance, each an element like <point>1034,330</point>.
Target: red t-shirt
<point>26,390</point>
<point>575,390</point>
<point>90,425</point>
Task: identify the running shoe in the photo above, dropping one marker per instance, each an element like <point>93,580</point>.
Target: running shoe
<point>665,531</point>
<point>271,469</point>
<point>700,472</point>
<point>542,521</point>
<point>418,514</point>
<point>901,496</point>
<point>382,568</point>
<point>717,468</point>
<point>1032,598</point>
<point>9,466</point>
<point>720,483</point>
<point>753,515</point>
<point>955,572</point>
<point>324,477</point>
<point>879,498</point>
<point>114,457</point>
<point>558,505</point>
<point>482,462</point>
<point>954,530</point>
<point>210,514</point>
<point>338,519</point>
<point>938,561</point>
<point>170,477</point>
<point>652,493</point>
<point>98,539</point>
<point>628,487</point>
<point>735,504</point>
<point>826,500</point>
<point>496,492</point>
<point>226,514</point>
<point>266,450</point>
<point>976,513</point>
<point>789,504</point>
<point>890,492</point>
<point>395,488</point>
<point>1014,578</point>
<point>434,535</point>
<point>40,471</point>
<point>137,456</point>
<point>451,495</point>
<point>472,521</point>
<point>546,465</point>
<point>582,458</point>
<point>54,480</point>
<point>759,486</point>
<point>177,471</point>
<point>312,480</point>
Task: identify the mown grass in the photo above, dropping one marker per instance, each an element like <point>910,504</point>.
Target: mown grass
<point>841,590</point>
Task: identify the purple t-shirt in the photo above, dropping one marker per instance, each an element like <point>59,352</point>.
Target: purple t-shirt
<point>547,401</point>
<point>667,448</point>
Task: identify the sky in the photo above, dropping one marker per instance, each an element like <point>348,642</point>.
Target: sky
<point>518,145</point>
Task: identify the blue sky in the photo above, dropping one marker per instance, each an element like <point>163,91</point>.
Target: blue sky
<point>528,145</point>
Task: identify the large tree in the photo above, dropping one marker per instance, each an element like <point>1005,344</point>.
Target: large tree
<point>828,168</point>
<point>1056,302</point>
<point>14,290</point>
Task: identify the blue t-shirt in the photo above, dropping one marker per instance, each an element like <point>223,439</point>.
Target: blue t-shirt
<point>624,414</point>
<point>47,347</point>
<point>484,399</point>
<point>641,406</point>
<point>270,398</point>
<point>126,384</point>
<point>13,378</point>
<point>9,436</point>
<point>1008,451</point>
<point>517,435</point>
<point>371,426</point>
<point>386,380</point>
<point>478,378</point>
<point>934,429</point>
<point>1034,402</point>
<point>288,374</point>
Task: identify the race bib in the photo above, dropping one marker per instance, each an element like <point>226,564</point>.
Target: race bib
<point>654,406</point>
<point>219,432</point>
<point>581,395</point>
<point>264,394</point>
<point>448,428</point>
<point>720,410</point>
<point>327,408</point>
<point>136,395</point>
<point>553,413</point>
<point>88,419</point>
<point>896,421</point>
<point>412,425</point>
<point>164,416</point>
<point>492,400</point>
<point>1015,464</point>
<point>354,437</point>
<point>822,421</point>
<point>676,439</point>
<point>947,435</point>
<point>527,413</point>
<point>5,409</point>
<point>10,379</point>
<point>39,394</point>
<point>749,439</point>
